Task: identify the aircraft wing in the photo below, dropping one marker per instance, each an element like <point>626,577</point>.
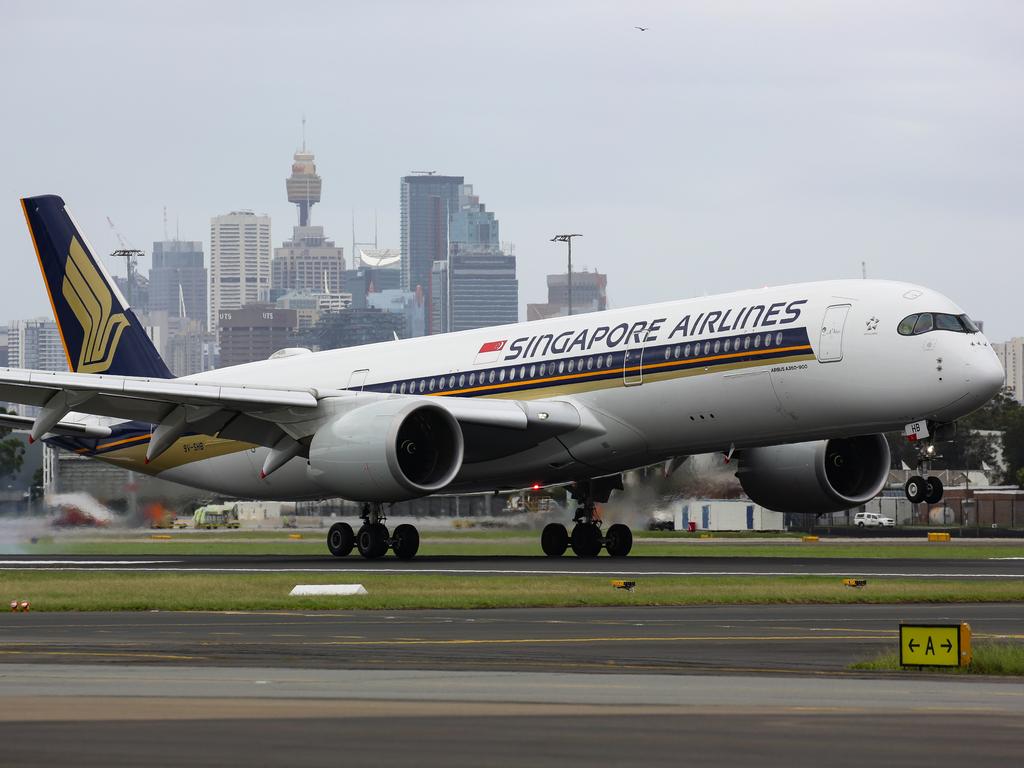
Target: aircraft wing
<point>279,418</point>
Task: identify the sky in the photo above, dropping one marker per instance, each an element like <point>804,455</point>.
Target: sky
<point>732,145</point>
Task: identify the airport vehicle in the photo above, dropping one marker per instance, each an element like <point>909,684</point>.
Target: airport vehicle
<point>872,519</point>
<point>794,382</point>
<point>215,516</point>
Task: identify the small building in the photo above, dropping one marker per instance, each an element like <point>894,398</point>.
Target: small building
<point>726,515</point>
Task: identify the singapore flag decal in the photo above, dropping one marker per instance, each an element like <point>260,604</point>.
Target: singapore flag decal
<point>490,352</point>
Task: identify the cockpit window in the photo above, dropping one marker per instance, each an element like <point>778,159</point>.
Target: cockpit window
<point>923,322</point>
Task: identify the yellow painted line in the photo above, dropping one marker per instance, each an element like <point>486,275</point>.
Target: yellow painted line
<point>105,654</point>
<point>572,640</point>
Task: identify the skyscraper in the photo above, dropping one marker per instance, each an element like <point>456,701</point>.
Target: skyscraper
<point>589,294</point>
<point>179,277</point>
<point>239,262</point>
<point>308,262</point>
<point>427,202</point>
<point>476,287</point>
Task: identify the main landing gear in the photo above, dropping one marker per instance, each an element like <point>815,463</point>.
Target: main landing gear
<point>372,540</point>
<point>586,539</point>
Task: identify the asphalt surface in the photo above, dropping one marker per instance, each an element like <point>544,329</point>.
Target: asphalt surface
<point>994,568</point>
<point>709,685</point>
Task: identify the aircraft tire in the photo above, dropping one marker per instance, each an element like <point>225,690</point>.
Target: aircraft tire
<point>585,540</point>
<point>916,488</point>
<point>340,539</point>
<point>554,540</point>
<point>372,541</point>
<point>405,541</point>
<point>934,490</point>
<point>619,540</point>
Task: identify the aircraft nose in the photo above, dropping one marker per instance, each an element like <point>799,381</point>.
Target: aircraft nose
<point>985,375</point>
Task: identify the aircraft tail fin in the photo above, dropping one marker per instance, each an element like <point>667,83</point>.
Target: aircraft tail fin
<point>100,332</point>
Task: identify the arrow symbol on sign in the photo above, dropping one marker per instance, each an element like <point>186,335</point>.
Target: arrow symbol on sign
<point>948,645</point>
<point>913,645</point>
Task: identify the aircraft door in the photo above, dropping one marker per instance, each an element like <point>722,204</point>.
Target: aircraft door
<point>830,343</point>
<point>633,367</point>
<point>357,379</point>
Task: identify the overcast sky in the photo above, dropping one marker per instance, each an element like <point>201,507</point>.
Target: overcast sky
<point>732,145</point>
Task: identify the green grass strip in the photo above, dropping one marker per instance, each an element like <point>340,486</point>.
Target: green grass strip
<point>180,591</point>
<point>999,658</point>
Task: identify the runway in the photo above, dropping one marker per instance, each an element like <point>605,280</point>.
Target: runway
<point>549,687</point>
<point>991,568</point>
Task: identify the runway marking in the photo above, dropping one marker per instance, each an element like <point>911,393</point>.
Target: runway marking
<point>23,563</point>
<point>577,640</point>
<point>106,654</point>
<point>28,565</point>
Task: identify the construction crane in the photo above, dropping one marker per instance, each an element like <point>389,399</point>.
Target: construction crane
<point>130,256</point>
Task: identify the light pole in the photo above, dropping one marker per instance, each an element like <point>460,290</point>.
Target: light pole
<point>567,239</point>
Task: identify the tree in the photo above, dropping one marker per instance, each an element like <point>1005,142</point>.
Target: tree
<point>12,453</point>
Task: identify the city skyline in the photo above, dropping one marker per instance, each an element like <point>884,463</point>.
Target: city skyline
<point>704,150</point>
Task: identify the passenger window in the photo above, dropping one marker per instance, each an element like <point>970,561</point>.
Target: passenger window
<point>401,389</point>
<point>572,366</point>
<point>718,346</point>
<point>490,377</point>
<point>924,323</point>
<point>746,342</point>
<point>600,361</point>
<point>767,339</point>
<point>668,353</point>
<point>394,388</point>
<point>561,366</point>
<point>472,379</point>
<point>533,371</point>
<point>707,347</point>
<point>522,372</point>
<point>686,351</point>
<point>543,369</point>
<point>757,342</point>
<point>590,363</point>
<point>906,326</point>
<point>431,385</point>
<point>462,380</point>
<point>778,339</point>
<point>423,384</point>
<point>501,375</point>
<point>677,352</point>
<point>725,347</point>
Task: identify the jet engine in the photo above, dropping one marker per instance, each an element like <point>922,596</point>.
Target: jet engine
<point>819,476</point>
<point>389,450</point>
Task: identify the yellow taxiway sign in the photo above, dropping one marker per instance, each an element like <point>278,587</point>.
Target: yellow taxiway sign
<point>935,645</point>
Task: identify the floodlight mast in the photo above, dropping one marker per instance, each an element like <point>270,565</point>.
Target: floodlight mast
<point>567,239</point>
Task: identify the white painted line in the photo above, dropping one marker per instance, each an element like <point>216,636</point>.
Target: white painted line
<point>30,563</point>
<point>328,589</point>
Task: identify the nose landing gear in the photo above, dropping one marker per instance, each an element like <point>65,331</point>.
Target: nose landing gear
<point>922,487</point>
<point>372,539</point>
<point>586,539</point>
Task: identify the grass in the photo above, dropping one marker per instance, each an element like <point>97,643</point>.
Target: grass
<point>509,543</point>
<point>103,591</point>
<point>1000,658</point>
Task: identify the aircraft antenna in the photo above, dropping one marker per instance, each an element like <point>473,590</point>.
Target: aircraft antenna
<point>864,270</point>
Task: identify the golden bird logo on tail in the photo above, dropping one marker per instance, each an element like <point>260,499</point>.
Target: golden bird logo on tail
<point>89,298</point>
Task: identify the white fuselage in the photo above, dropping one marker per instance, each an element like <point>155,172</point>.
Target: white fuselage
<point>793,370</point>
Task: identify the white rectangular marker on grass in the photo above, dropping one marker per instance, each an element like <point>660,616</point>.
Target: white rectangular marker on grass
<point>328,589</point>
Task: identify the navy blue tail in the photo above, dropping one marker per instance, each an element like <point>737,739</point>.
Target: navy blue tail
<point>101,333</point>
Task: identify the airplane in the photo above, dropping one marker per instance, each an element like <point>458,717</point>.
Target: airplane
<point>795,382</point>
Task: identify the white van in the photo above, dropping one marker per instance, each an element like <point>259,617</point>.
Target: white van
<point>862,519</point>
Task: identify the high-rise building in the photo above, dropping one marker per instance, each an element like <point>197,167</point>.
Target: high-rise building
<point>427,202</point>
<point>309,262</point>
<point>35,344</point>
<point>589,294</point>
<point>178,280</point>
<point>476,287</point>
<point>239,262</point>
<point>254,332</point>
<point>1011,355</point>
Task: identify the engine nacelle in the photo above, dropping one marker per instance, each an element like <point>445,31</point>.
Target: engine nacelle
<point>390,450</point>
<point>819,476</point>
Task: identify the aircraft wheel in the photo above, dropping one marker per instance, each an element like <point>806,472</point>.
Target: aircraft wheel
<point>372,541</point>
<point>916,488</point>
<point>619,540</point>
<point>405,541</point>
<point>554,540</point>
<point>933,494</point>
<point>340,539</point>
<point>586,540</point>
